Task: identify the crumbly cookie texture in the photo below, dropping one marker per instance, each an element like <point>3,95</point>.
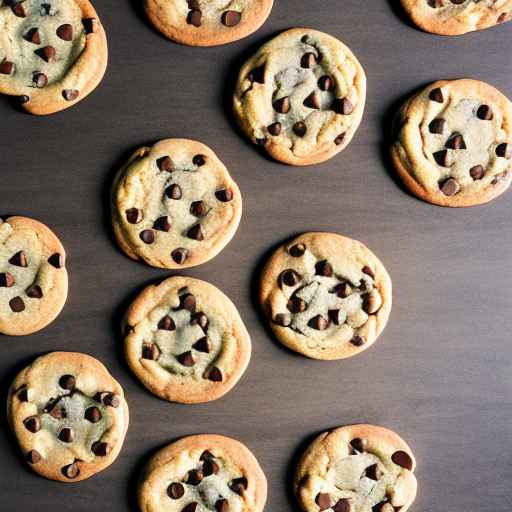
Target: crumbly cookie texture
<point>53,53</point>
<point>69,416</point>
<point>33,276</point>
<point>203,473</point>
<point>175,205</point>
<point>186,341</point>
<point>207,22</point>
<point>453,143</point>
<point>359,468</point>
<point>326,296</point>
<point>454,17</point>
<point>301,96</point>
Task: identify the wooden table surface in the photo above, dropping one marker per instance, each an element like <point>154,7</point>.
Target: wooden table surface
<point>440,375</point>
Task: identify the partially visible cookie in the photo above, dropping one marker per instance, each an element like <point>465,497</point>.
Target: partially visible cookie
<point>359,468</point>
<point>175,205</point>
<point>69,416</point>
<point>301,96</point>
<point>453,143</point>
<point>203,472</point>
<point>326,296</point>
<point>185,340</point>
<point>207,22</point>
<point>33,276</point>
<point>454,17</point>
<point>53,53</point>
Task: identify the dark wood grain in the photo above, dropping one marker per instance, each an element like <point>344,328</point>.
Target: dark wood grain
<point>439,375</point>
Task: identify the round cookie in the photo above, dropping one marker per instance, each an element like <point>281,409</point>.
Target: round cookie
<point>53,53</point>
<point>301,96</point>
<point>175,205</point>
<point>207,22</point>
<point>33,276</point>
<point>453,143</point>
<point>203,472</point>
<point>455,17</point>
<point>359,467</point>
<point>185,340</point>
<point>326,296</point>
<point>69,416</point>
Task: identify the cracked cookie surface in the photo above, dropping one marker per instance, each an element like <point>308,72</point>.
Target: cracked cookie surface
<point>326,296</point>
<point>175,205</point>
<point>185,341</point>
<point>33,276</point>
<point>53,53</point>
<point>359,468</point>
<point>203,473</point>
<point>207,22</point>
<point>453,143</point>
<point>454,17</point>
<point>301,96</point>
<point>69,416</point>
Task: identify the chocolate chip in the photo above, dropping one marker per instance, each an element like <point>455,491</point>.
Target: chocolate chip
<point>6,280</point>
<point>368,271</point>
<point>33,457</point>
<point>194,477</point>
<point>33,36</point>
<point>231,18</point>
<point>188,302</point>
<point>336,316</point>
<point>194,18</point>
<point>373,472</point>
<point>215,375</point>
<point>456,141</point>
<point>224,195</point>
<point>319,323</point>
<point>402,459</point>
<point>186,359</point>
<point>134,215</point>
<point>34,292</point>
<point>199,160</point>
<point>198,208</point>
<point>6,67</point>
<point>274,129</point>
<point>358,444</point>
<point>449,187</point>
<point>339,139</point>
<point>289,277</point>
<point>179,255</point>
<point>46,10</point>
<point>502,17</point>
<point>147,236</point>
<point>436,95</point>
<point>261,142</point>
<point>342,505</point>
<point>32,424</point>
<point>297,250</point>
<point>71,471</point>
<point>326,83</point>
<point>56,260</point>
<point>296,305</point>
<point>67,382</point>
<point>499,177</point>
<point>162,224</point>
<point>323,500</point>
<point>202,345</point>
<point>200,319</point>
<point>23,99</point>
<point>150,351</point>
<point>222,505</point>
<point>312,101</point>
<point>300,128</point>
<point>100,448</point>
<point>437,126</point>
<point>283,320</point>
<point>342,106</point>
<point>173,192</point>
<point>206,455</point>
<point>23,395</point>
<point>484,113</point>
<point>504,150</point>
<point>65,32</point>
<point>47,53</point>
<point>323,268</point>
<point>210,467</point>
<point>358,341</point>
<point>191,507</point>
<point>342,290</point>
<point>308,60</point>
<point>39,80</point>
<point>195,233</point>
<point>70,94</point>
<point>238,485</point>
<point>111,400</point>
<point>90,25</point>
<point>92,414</point>
<point>441,158</point>
<point>17,305</point>
<point>384,506</point>
<point>165,163</point>
<point>477,172</point>
<point>19,10</point>
<point>66,435</point>
<point>19,259</point>
<point>175,491</point>
<point>57,411</point>
<point>282,105</point>
<point>435,4</point>
<point>257,74</point>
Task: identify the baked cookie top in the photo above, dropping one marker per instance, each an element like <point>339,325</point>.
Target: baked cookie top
<point>326,296</point>
<point>185,340</point>
<point>454,143</point>
<point>454,17</point>
<point>203,473</point>
<point>33,276</point>
<point>301,96</point>
<point>359,468</point>
<point>69,416</point>
<point>175,205</point>
<point>207,22</point>
<point>52,52</point>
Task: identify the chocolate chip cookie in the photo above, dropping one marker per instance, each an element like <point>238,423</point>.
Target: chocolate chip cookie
<point>33,276</point>
<point>326,296</point>
<point>454,17</point>
<point>301,96</point>
<point>207,22</point>
<point>69,416</point>
<point>185,341</point>
<point>453,144</point>
<point>359,468</point>
<point>203,472</point>
<point>53,53</point>
<point>175,205</point>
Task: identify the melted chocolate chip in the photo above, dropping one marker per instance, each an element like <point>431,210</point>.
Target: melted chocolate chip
<point>32,424</point>
<point>33,36</point>
<point>195,233</point>
<point>224,195</point>
<point>215,375</point>
<point>65,32</point>
<point>323,500</point>
<point>179,255</point>
<point>199,160</point>
<point>257,74</point>
<point>308,60</point>
<point>274,129</point>
<point>296,305</point>
<point>222,505</point>
<point>342,505</point>
<point>134,215</point>
<point>186,359</point>
<point>17,305</point>
<point>484,113</point>
<point>19,259</point>
<point>283,320</point>
<point>173,192</point>
<point>289,277</point>
<point>358,341</point>
<point>238,485</point>
<point>47,53</point>
<point>373,472</point>
<point>191,507</point>
<point>188,302</point>
<point>231,18</point>
<point>324,268</point>
<point>175,491</point>
<point>297,250</point>
<point>39,80</point>
<point>202,345</point>
<point>339,139</point>
<point>167,324</point>
<point>358,444</point>
<point>67,382</point>
<point>162,224</point>
<point>326,83</point>
<point>6,280</point>
<point>477,172</point>
<point>318,323</point>
<point>342,106</point>
<point>33,457</point>
<point>147,236</point>
<point>66,435</point>
<point>100,448</point>
<point>282,105</point>
<point>436,95</point>
<point>92,414</point>
<point>312,101</point>
<point>504,150</point>
<point>198,208</point>
<point>300,128</point>
<point>56,260</point>
<point>19,10</point>
<point>449,187</point>
<point>165,163</point>
<point>402,459</point>
<point>194,477</point>
<point>194,18</point>
<point>71,471</point>
<point>200,319</point>
<point>111,400</point>
<point>441,158</point>
<point>210,467</point>
<point>34,292</point>
<point>437,126</point>
<point>70,94</point>
<point>456,141</point>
